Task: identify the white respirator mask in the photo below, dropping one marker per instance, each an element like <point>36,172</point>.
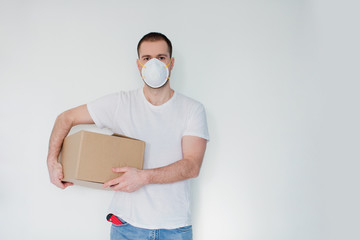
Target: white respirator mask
<point>155,73</point>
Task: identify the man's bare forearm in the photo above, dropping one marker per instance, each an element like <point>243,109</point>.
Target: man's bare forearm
<point>178,171</point>
<point>61,128</point>
<point>133,179</point>
<point>64,122</point>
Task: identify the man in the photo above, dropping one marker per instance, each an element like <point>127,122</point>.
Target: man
<point>154,201</point>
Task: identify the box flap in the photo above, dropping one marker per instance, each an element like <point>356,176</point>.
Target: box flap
<point>123,136</point>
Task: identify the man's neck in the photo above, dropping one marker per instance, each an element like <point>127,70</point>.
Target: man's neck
<point>158,96</point>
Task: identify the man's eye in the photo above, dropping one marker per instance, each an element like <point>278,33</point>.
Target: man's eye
<point>146,59</point>
<point>161,58</point>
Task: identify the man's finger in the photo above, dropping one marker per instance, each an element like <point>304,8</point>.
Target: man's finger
<point>67,184</point>
<point>111,183</point>
<point>122,187</point>
<point>58,183</point>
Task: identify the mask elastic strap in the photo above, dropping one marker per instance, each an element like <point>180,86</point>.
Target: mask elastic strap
<point>168,64</point>
<point>166,67</point>
<point>141,64</point>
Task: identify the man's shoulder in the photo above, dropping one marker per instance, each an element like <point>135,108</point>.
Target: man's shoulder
<point>121,96</point>
<point>126,94</point>
<point>189,101</point>
<point>132,92</point>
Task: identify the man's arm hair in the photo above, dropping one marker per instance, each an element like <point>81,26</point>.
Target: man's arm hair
<point>64,122</point>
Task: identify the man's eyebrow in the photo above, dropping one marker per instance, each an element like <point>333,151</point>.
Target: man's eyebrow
<point>159,55</point>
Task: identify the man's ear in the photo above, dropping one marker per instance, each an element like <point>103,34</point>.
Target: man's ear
<point>172,63</point>
<point>138,64</point>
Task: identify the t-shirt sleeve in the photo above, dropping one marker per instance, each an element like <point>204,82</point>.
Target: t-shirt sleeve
<point>103,110</point>
<point>197,123</point>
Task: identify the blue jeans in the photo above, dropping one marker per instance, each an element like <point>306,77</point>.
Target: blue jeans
<point>129,232</point>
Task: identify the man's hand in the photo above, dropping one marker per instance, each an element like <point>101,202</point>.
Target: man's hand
<point>56,175</point>
<point>131,180</point>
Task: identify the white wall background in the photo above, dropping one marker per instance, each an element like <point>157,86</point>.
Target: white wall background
<point>279,80</point>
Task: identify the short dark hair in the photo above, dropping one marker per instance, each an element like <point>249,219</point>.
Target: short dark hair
<point>153,37</point>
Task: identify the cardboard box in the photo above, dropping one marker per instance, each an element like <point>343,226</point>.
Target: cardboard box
<point>88,158</point>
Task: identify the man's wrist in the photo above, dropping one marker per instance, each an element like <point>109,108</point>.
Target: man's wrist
<point>52,161</point>
<point>146,176</point>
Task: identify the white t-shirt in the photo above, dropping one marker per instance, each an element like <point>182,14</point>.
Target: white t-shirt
<point>162,127</point>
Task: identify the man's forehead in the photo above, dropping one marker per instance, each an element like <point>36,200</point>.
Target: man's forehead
<point>154,48</point>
